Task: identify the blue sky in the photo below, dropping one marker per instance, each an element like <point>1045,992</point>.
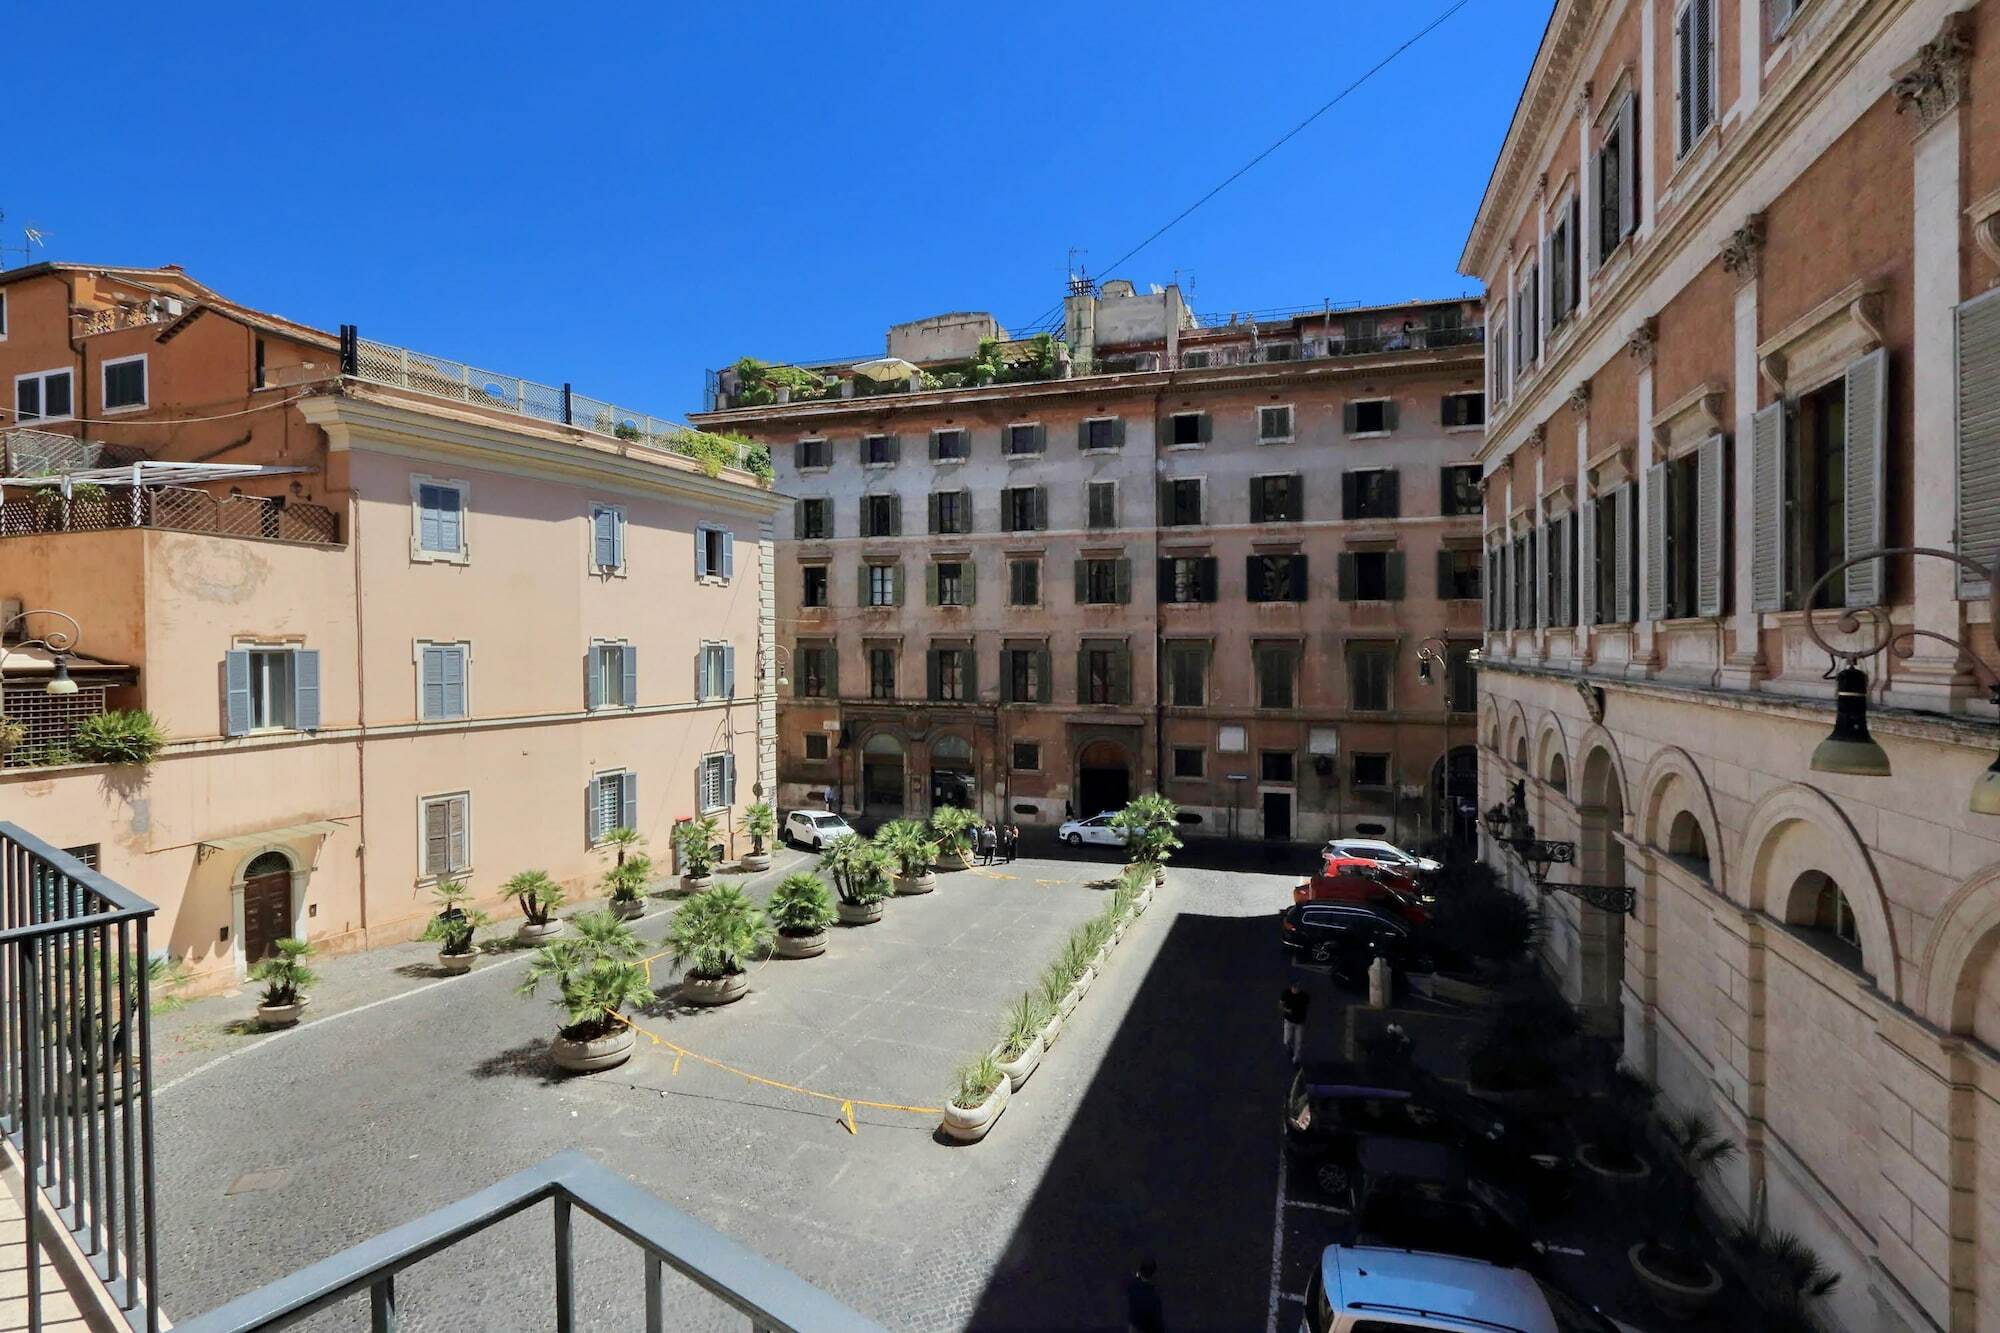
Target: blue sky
<point>622,196</point>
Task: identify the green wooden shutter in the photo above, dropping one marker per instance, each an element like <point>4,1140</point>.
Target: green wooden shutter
<point>1443,574</point>
<point>1257,500</point>
<point>1124,593</point>
<point>1208,578</point>
<point>1350,495</point>
<point>931,673</point>
<point>1165,580</point>
<point>931,584</point>
<point>1348,419</point>
<point>1978,438</point>
<point>896,583</point>
<point>1205,428</point>
<point>1392,493</point>
<point>1345,576</point>
<point>1044,688</point>
<point>1867,429</point>
<point>1121,675</point>
<point>1082,582</point>
<point>1393,575</point>
<point>968,582</point>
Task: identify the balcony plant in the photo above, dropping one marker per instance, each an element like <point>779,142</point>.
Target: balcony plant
<point>953,827</point>
<point>1149,823</point>
<point>711,937</point>
<point>760,821</point>
<point>12,734</point>
<point>802,909</point>
<point>1669,1264</point>
<point>909,845</point>
<point>1785,1274</point>
<point>284,977</point>
<point>454,925</point>
<point>538,897</point>
<point>978,1096</point>
<point>1020,1048</point>
<point>122,736</point>
<point>860,873</point>
<point>694,844</point>
<point>596,979</point>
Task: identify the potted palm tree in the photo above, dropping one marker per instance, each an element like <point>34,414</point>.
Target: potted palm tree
<point>1148,823</point>
<point>1669,1264</point>
<point>760,821</point>
<point>284,977</point>
<point>802,909</point>
<point>952,825</point>
<point>978,1097</point>
<point>596,979</point>
<point>538,897</point>
<point>1020,1047</point>
<point>630,871</point>
<point>694,844</point>
<point>909,845</point>
<point>1786,1276</point>
<point>454,925</point>
<point>712,935</point>
<point>860,873</point>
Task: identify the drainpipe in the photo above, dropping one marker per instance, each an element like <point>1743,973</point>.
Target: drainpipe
<point>360,699</point>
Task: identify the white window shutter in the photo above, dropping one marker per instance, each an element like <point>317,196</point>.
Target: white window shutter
<point>729,779</point>
<point>1867,409</point>
<point>701,550</point>
<point>1624,510</point>
<point>1767,509</point>
<point>604,539</point>
<point>454,681</point>
<point>618,539</point>
<point>729,671</point>
<point>1628,164</point>
<point>236,679</point>
<point>630,657</point>
<point>728,555</point>
<point>1710,526</point>
<point>700,675</point>
<point>628,799</point>
<point>593,824</point>
<point>429,520</point>
<point>1656,542</point>
<point>305,689</point>
<point>1586,561</point>
<point>1978,438</point>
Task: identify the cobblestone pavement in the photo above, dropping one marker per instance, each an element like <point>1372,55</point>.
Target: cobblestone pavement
<point>1149,1128</point>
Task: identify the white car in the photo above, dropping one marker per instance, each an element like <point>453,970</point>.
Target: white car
<point>1097,829</point>
<point>1356,1288</point>
<point>1383,853</point>
<point>815,828</point>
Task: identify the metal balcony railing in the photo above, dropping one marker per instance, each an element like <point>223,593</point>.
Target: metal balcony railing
<point>773,1298</point>
<point>76,1065</point>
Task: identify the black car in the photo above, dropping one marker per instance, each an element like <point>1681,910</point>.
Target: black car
<point>1347,937</point>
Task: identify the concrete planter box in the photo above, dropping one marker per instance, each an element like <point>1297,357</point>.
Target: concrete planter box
<point>1017,1070</point>
<point>1142,902</point>
<point>711,991</point>
<point>1052,1031</point>
<point>1077,992</point>
<point>756,861</point>
<point>530,933</point>
<point>1678,1301</point>
<point>853,914</point>
<point>911,885</point>
<point>587,1057</point>
<point>801,946</point>
<point>954,860</point>
<point>458,964</point>
<point>1458,990</point>
<point>281,1015</point>
<point>1618,1179</point>
<point>628,909</point>
<point>972,1125</point>
<point>695,884</point>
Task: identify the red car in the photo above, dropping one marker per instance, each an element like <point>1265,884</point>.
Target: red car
<point>1375,870</point>
<point>1363,891</point>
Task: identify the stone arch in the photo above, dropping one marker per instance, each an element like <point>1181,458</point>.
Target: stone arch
<point>1515,730</point>
<point>1552,746</point>
<point>265,856</point>
<point>1962,942</point>
<point>1773,866</point>
<point>1673,783</point>
<point>1601,772</point>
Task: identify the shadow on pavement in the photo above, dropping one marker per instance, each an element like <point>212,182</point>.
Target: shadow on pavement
<point>1172,1152</point>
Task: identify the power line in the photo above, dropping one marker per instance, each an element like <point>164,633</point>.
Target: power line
<point>1275,145</point>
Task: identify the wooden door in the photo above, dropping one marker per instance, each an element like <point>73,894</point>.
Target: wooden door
<point>267,912</point>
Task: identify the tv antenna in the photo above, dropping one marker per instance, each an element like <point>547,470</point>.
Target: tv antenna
<point>31,238</point>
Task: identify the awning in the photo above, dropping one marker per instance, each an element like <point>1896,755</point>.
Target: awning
<point>244,841</point>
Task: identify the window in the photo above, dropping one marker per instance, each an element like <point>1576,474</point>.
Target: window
<point>953,583</point>
<point>1782,12</point>
<point>952,675</point>
<point>1187,578</point>
<point>1375,493</point>
<point>607,540</point>
<point>1187,675</point>
<point>1371,416</point>
<point>1816,502</point>
<point>1101,582</point>
<point>816,745</point>
<point>271,689</point>
<point>441,681</point>
<point>1275,578</point>
<point>1186,429</point>
<point>815,671</point>
<point>1371,770</point>
<point>951,512</point>
<point>715,781</point>
<point>1027,757</point>
<point>1103,674</point>
<point>884,584</point>
<point>1026,672</point>
<point>1461,681</point>
<point>439,510</point>
<point>1527,318</point>
<point>812,587</point>
<point>1683,510</point>
<point>1459,492</point>
<point>3,316</point>
<point>42,396</point>
<point>125,384</point>
<point>810,454</point>
<point>1368,679</point>
<point>1276,664</point>
<point>1275,766</point>
<point>1180,501</point>
<point>1100,433</point>
<point>1023,508</point>
<point>1190,761</point>
<point>1459,410</point>
<point>1276,499</point>
<point>878,450</point>
<point>1281,352</point>
<point>613,676</point>
<point>812,520</point>
<point>1103,502</point>
<point>881,516</point>
<point>257,376</point>
<point>1496,354</point>
<point>1618,178</point>
<point>1371,576</point>
<point>90,854</point>
<point>1024,439</point>
<point>1563,255</point>
<point>1024,583</point>
<point>447,822</point>
<point>881,673</point>
<point>1616,550</point>
<point>1694,72</point>
<point>1194,360</point>
<point>1458,574</point>
<point>948,446</point>
<point>714,551</point>
<point>1274,424</point>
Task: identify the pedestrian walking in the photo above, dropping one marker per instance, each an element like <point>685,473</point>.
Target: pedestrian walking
<point>1292,1003</point>
<point>1143,1311</point>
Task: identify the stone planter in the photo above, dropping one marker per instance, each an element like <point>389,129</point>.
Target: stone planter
<point>756,861</point>
<point>948,860</point>
<point>1512,1099</point>
<point>1143,901</point>
<point>587,1057</point>
<point>280,1015</point>
<point>457,963</point>
<point>971,1125</point>
<point>1017,1070</point>
<point>1676,1300</point>
<point>532,934</point>
<point>696,883</point>
<point>710,991</point>
<point>1076,993</point>
<point>626,909</point>
<point>1616,1178</point>
<point>910,885</point>
<point>861,914</point>
<point>801,946</point>
<point>1052,1031</point>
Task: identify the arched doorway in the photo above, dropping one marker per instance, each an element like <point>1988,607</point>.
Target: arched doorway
<point>1103,778</point>
<point>1600,860</point>
<point>267,904</point>
<point>882,775</point>
<point>953,781</point>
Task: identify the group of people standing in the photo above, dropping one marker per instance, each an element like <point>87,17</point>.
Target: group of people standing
<point>997,843</point>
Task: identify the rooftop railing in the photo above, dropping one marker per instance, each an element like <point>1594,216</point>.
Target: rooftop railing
<point>176,508</point>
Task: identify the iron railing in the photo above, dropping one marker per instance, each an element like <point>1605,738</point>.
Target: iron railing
<point>774,1299</point>
<point>177,508</point>
<point>76,1065</point>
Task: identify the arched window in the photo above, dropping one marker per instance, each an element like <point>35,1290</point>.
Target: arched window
<point>884,745</point>
<point>955,751</point>
<point>1521,753</point>
<point>1819,912</point>
<point>269,863</point>
<point>1687,844</point>
<point>1558,772</point>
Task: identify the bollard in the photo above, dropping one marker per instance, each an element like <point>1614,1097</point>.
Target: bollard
<point>1379,977</point>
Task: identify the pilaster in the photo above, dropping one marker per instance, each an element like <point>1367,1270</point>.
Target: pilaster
<point>1743,666</point>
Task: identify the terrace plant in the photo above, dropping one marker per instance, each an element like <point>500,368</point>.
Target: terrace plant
<point>121,736</point>
<point>12,734</point>
<point>538,897</point>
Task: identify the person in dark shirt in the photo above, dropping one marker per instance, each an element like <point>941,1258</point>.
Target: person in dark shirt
<point>1292,1003</point>
<point>1143,1312</point>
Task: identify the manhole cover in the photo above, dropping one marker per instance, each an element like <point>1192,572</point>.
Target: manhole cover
<point>250,1182</point>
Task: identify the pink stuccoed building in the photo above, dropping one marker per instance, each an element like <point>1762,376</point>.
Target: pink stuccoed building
<point>399,617</point>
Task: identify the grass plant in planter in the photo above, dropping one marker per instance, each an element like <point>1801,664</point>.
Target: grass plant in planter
<point>911,847</point>
<point>284,977</point>
<point>122,736</point>
<point>860,873</point>
<point>1519,1056</point>
<point>694,844</point>
<point>760,821</point>
<point>454,925</point>
<point>978,1096</point>
<point>1020,1048</point>
<point>595,979</point>
<point>712,936</point>
<point>802,909</point>
<point>538,897</point>
<point>1052,988</point>
<point>1669,1264</point>
<point>953,828</point>
<point>1149,824</point>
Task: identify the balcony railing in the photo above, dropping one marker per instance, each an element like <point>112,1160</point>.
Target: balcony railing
<point>772,1298</point>
<point>76,1065</point>
<point>177,508</point>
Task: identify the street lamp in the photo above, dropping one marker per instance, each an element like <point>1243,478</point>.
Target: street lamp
<point>60,643</point>
<point>782,658</point>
